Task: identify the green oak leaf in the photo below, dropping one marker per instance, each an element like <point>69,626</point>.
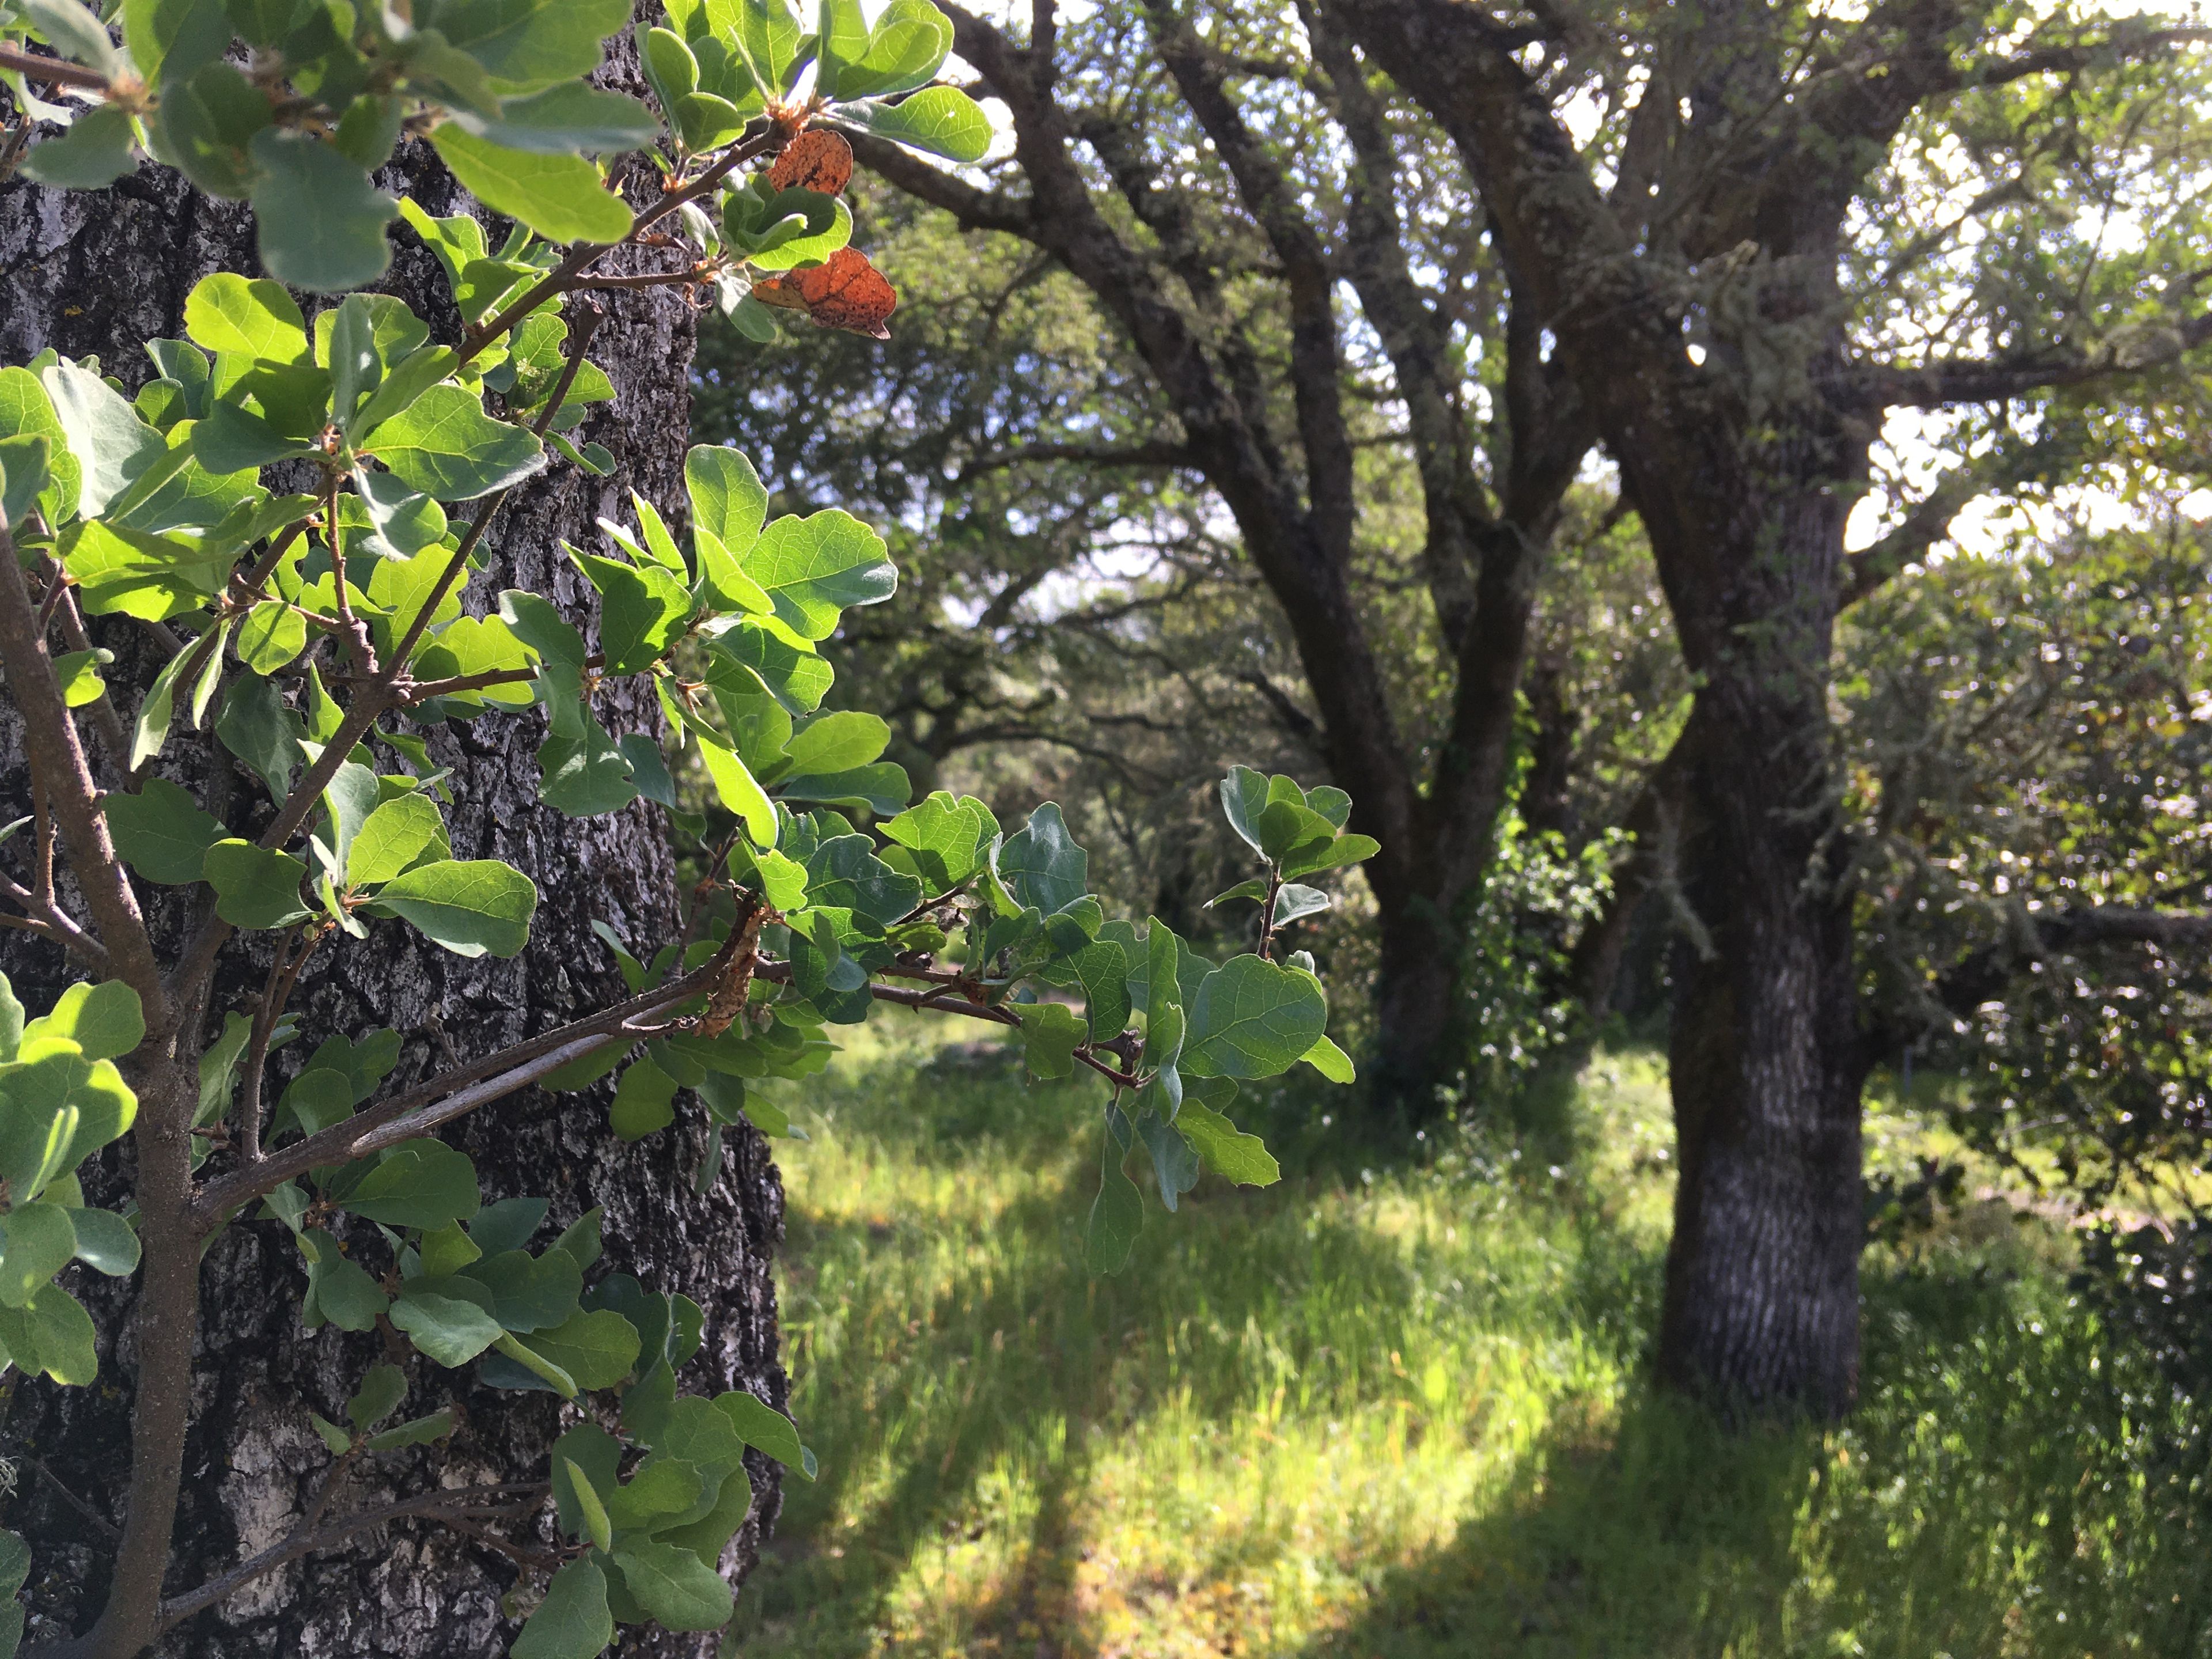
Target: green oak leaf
<point>1117,1215</point>
<point>255,886</point>
<point>470,906</point>
<point>444,445</point>
<point>942,120</point>
<point>162,832</point>
<point>320,220</point>
<point>813,568</point>
<point>562,197</point>
<point>1251,1018</point>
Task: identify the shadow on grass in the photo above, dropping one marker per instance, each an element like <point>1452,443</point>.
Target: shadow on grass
<point>1992,1496</point>
<point>967,1366</point>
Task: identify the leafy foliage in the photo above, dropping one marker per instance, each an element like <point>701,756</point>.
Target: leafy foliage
<point>304,621</point>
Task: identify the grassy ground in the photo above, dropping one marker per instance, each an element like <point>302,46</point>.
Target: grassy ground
<point>1396,1411</point>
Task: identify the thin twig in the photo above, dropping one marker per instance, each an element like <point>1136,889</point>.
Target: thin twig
<point>57,759</point>
<point>52,70</point>
<point>99,1522</point>
<point>349,628</point>
<point>283,974</point>
<point>344,1141</point>
<point>942,1001</point>
<point>560,278</point>
<point>462,1500</point>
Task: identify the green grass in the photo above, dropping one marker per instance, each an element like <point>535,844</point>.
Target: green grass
<point>1399,1411</point>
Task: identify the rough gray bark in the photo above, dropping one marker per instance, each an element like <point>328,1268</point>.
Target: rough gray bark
<point>102,273</point>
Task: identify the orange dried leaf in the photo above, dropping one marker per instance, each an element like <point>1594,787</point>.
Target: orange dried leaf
<point>818,161</point>
<point>846,292</point>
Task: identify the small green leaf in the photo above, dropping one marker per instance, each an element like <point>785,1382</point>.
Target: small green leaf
<point>526,43</point>
<point>255,887</point>
<point>564,119</point>
<point>573,1622</point>
<point>444,445</point>
<point>75,32</point>
<point>447,1330</point>
<point>320,220</point>
<point>596,1348</point>
<point>162,832</point>
<point>207,124</point>
<point>170,39</point>
<point>418,1432</point>
<point>906,47</point>
<point>340,1289</point>
<point>92,154</point>
<point>1252,1020</point>
<point>381,1390</point>
<point>672,1585</point>
<point>531,1293</point>
<point>642,1102</point>
<point>335,1440</point>
<point>561,197</point>
<point>943,120</point>
<point>1117,1215</point>
<point>104,1020</point>
<point>762,1427</point>
<point>740,792</point>
<point>643,613</point>
<point>419,1183</point>
<point>813,568</point>
<point>112,443</point>
<point>1331,1061</point>
<point>469,906</point>
<point>37,1243</point>
<point>1240,1158</point>
<point>1042,863</point>
<point>261,729</point>
<point>393,837</point>
<point>597,1527</point>
<point>106,1242</point>
<point>1050,1033</point>
<point>1330,856</point>
<point>726,496</point>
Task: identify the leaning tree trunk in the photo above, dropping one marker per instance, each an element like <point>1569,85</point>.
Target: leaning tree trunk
<point>102,274</point>
<point>1761,1307</point>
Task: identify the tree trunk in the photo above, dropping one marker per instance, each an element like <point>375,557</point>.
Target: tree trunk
<point>1761,1306</point>
<point>1416,998</point>
<point>102,273</point>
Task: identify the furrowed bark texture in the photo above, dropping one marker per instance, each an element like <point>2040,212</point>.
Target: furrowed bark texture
<point>102,273</point>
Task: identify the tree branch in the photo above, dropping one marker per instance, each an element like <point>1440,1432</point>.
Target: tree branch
<point>1926,524</point>
<point>57,766</point>
<point>310,1541</point>
<point>1153,451</point>
<point>1982,976</point>
<point>1965,380</point>
<point>453,1093</point>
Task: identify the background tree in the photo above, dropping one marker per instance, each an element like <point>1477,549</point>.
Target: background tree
<point>1214,231</point>
<point>1742,236</point>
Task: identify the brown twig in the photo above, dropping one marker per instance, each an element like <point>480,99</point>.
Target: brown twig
<point>304,1540</point>
<point>941,1001</point>
<point>403,1116</point>
<point>52,70</point>
<point>56,758</point>
<point>283,974</point>
<point>560,278</point>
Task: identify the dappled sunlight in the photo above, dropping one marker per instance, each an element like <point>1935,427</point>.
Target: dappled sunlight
<point>1394,1410</point>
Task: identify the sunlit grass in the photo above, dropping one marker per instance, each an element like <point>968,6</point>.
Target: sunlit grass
<point>1396,1410</point>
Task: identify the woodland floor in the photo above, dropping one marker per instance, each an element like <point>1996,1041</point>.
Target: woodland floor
<point>1375,1413</point>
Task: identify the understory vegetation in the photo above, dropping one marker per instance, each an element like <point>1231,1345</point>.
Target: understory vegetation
<point>1397,1406</point>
